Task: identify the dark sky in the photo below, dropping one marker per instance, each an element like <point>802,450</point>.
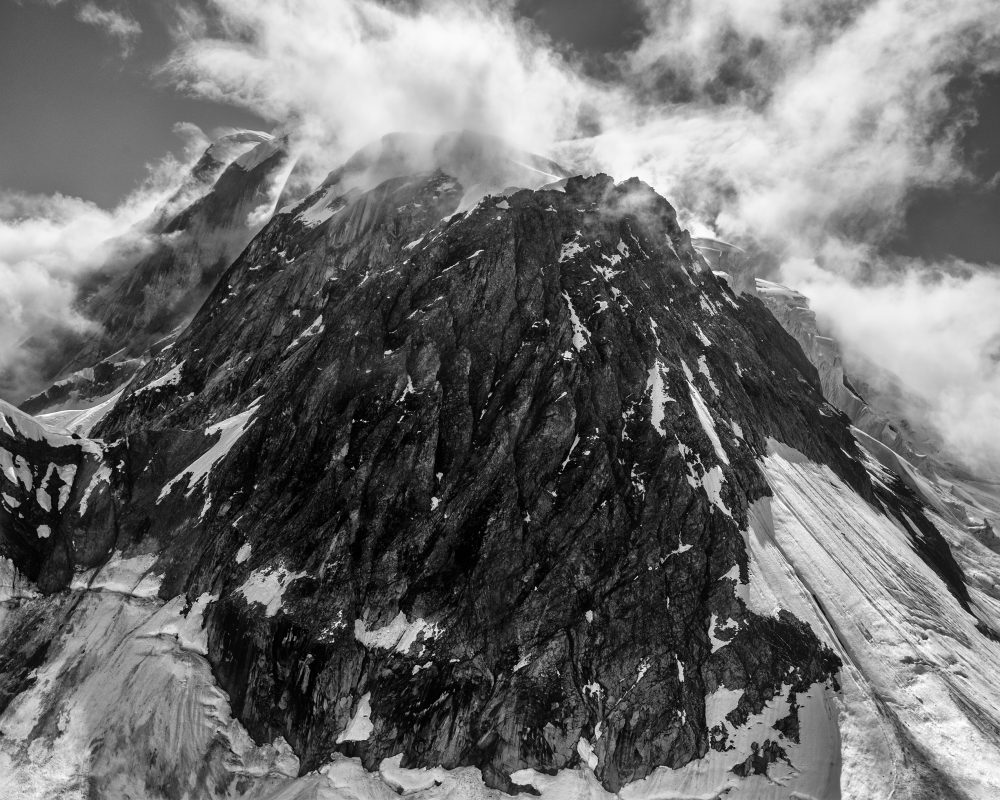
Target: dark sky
<point>592,27</point>
<point>74,117</point>
<point>964,222</point>
<point>78,119</point>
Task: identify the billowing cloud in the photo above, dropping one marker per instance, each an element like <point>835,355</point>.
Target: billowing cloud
<point>48,244</point>
<point>804,127</point>
<point>344,72</point>
<point>799,121</point>
<point>936,325</point>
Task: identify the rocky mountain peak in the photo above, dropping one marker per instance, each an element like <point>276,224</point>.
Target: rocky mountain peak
<point>511,494</point>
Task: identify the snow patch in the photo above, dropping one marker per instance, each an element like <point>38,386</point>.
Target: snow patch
<point>703,369</point>
<point>581,336</point>
<point>719,703</point>
<point>586,753</point>
<point>658,396</point>
<point>229,431</point>
<point>360,727</point>
<point>705,416</point>
<point>130,576</point>
<point>407,781</point>
<point>729,627</point>
<point>709,480</point>
<point>170,378</point>
<point>102,475</point>
<point>571,250</point>
<point>399,635</point>
<point>315,327</point>
<point>14,585</point>
<point>267,586</point>
<point>321,210</point>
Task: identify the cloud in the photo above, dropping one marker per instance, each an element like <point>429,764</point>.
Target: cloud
<point>936,325</point>
<point>779,120</point>
<point>125,30</point>
<point>796,121</point>
<point>341,73</point>
<point>195,140</point>
<point>48,245</point>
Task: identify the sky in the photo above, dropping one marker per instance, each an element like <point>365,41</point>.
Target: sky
<point>856,141</point>
<point>77,117</point>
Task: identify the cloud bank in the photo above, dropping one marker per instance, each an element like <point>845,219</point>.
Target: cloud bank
<point>937,326</point>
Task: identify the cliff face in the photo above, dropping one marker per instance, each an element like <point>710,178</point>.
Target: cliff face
<point>507,489</point>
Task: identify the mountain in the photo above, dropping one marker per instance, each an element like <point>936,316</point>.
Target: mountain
<point>452,488</point>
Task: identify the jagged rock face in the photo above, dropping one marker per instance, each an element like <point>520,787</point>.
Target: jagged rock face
<point>509,428</point>
<point>478,489</point>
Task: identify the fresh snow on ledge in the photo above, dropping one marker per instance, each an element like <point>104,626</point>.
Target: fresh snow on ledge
<point>229,431</point>
<point>399,635</point>
<point>169,378</point>
<point>267,586</point>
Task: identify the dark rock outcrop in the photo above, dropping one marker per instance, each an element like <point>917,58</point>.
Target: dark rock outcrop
<point>515,425</point>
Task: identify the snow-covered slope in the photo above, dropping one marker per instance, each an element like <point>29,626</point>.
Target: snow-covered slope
<point>921,707</point>
<point>124,704</point>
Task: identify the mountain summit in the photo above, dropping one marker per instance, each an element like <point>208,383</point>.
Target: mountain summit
<point>469,478</point>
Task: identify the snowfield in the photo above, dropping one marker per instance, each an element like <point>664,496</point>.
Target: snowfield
<point>126,701</point>
<point>920,697</point>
